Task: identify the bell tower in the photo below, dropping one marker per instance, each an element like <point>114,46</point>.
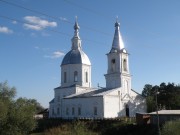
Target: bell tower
<point>118,74</point>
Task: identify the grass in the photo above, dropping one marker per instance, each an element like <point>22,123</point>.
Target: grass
<point>92,127</point>
<point>171,128</point>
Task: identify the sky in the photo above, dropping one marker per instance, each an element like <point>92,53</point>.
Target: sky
<point>36,34</point>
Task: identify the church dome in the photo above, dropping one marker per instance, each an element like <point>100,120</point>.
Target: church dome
<point>76,57</point>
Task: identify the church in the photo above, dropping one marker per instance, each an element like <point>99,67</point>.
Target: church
<point>76,98</point>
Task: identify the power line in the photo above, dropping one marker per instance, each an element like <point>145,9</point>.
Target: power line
<point>22,22</point>
<point>51,30</point>
<point>87,9</point>
<point>53,17</point>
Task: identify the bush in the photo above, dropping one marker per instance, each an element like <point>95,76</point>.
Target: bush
<point>75,128</point>
<point>171,128</point>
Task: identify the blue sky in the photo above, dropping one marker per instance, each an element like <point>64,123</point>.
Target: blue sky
<point>32,44</point>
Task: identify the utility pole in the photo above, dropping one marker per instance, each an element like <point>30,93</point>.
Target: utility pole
<point>159,131</point>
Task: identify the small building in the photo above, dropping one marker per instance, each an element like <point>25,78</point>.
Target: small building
<point>152,118</point>
<point>142,118</point>
<point>164,115</point>
<point>44,114</point>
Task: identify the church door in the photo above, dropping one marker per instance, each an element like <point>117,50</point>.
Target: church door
<point>127,111</point>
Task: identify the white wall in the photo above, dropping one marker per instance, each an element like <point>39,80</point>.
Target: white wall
<point>111,106</point>
<point>87,107</point>
<point>81,69</point>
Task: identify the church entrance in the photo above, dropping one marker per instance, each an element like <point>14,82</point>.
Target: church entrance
<point>127,110</point>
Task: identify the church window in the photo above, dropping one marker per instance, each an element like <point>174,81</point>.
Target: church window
<point>79,110</point>
<point>75,76</point>
<point>95,110</point>
<point>67,111</point>
<point>73,111</point>
<point>65,77</point>
<point>53,111</point>
<point>86,76</point>
<point>113,62</point>
<point>58,98</point>
<point>58,111</point>
<point>125,65</point>
<point>126,87</point>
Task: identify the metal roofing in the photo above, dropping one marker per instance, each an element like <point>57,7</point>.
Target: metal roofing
<point>76,57</point>
<point>52,101</point>
<point>167,112</point>
<point>92,93</point>
<point>118,43</point>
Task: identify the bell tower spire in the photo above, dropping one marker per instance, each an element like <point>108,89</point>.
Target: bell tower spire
<point>76,41</point>
<point>118,74</point>
<point>117,41</point>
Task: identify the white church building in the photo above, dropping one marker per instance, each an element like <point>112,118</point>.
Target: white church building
<point>75,98</point>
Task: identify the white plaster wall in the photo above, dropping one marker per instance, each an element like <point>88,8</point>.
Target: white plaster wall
<point>70,69</point>
<point>87,107</point>
<point>111,106</point>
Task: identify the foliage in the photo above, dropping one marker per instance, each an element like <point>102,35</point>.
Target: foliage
<point>16,116</point>
<point>75,128</point>
<point>94,127</point>
<point>168,96</point>
<point>171,128</point>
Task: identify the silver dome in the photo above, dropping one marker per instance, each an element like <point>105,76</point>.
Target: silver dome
<point>76,57</point>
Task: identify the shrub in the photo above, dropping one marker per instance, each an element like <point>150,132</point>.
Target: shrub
<point>171,128</point>
<point>75,128</point>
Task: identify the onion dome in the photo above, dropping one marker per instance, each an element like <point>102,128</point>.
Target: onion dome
<point>76,54</point>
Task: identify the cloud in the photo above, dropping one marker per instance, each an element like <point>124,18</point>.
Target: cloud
<point>32,27</point>
<point>36,23</point>
<point>56,54</point>
<point>14,22</point>
<point>36,47</point>
<point>63,19</point>
<point>5,30</point>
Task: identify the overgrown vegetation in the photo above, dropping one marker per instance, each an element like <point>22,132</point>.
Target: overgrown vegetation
<point>171,128</point>
<point>168,96</point>
<point>16,115</point>
<point>93,127</point>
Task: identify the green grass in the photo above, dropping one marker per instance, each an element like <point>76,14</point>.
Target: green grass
<point>92,127</point>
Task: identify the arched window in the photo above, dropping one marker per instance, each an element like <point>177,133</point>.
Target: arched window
<point>53,111</point>
<point>73,111</point>
<point>86,74</point>
<point>67,111</point>
<point>65,77</point>
<point>58,111</point>
<point>75,76</point>
<point>125,65</point>
<point>95,110</point>
<point>79,110</point>
<point>113,63</point>
<point>127,110</point>
<point>126,87</point>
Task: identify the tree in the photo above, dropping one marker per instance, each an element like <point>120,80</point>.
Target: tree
<point>16,116</point>
<point>147,90</point>
<point>168,96</point>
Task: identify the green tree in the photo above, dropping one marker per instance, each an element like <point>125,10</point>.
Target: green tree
<point>147,90</point>
<point>168,96</point>
<point>16,116</point>
<point>37,105</point>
